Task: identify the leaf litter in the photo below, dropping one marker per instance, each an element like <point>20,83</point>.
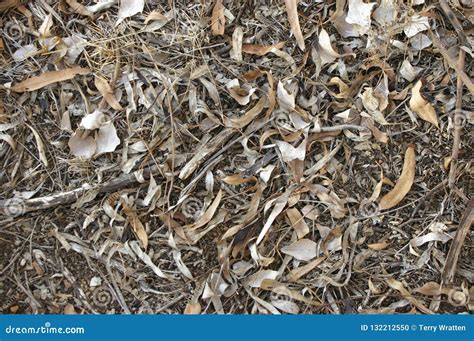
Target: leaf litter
<point>236,157</point>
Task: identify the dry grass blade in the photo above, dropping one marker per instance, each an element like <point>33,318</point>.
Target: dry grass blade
<point>404,183</point>
<point>292,11</point>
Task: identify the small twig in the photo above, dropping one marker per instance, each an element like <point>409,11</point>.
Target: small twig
<point>457,126</point>
<point>342,127</point>
<point>452,258</point>
<point>61,198</point>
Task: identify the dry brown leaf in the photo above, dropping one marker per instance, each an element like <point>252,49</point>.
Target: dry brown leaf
<point>155,15</point>
<point>378,246</point>
<point>106,90</point>
<point>79,8</point>
<point>6,4</point>
<point>394,284</point>
<point>404,183</point>
<point>297,222</point>
<point>291,9</point>
<point>249,116</point>
<point>421,107</point>
<point>192,309</point>
<point>207,216</point>
<point>430,289</point>
<point>218,19</point>
<point>237,179</point>
<point>47,78</point>
<point>260,50</point>
<point>299,272</point>
<point>137,225</point>
<point>69,310</point>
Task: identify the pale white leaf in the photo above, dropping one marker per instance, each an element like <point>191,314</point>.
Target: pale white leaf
<point>255,280</point>
<point>25,52</point>
<point>81,145</point>
<point>129,8</point>
<point>303,249</point>
<point>359,14</point>
<point>285,99</point>
<point>107,139</point>
<point>386,13</point>
<point>415,25</point>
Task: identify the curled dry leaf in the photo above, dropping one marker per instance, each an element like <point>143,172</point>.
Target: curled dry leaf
<point>106,90</point>
<point>242,93</point>
<point>421,107</point>
<point>292,11</point>
<point>6,4</point>
<point>394,284</point>
<point>404,183</point>
<point>47,78</point>
<point>407,71</point>
<point>218,19</point>
<point>326,52</point>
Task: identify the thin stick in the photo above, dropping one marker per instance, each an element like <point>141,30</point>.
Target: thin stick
<point>457,124</point>
<point>452,259</point>
<point>452,63</point>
